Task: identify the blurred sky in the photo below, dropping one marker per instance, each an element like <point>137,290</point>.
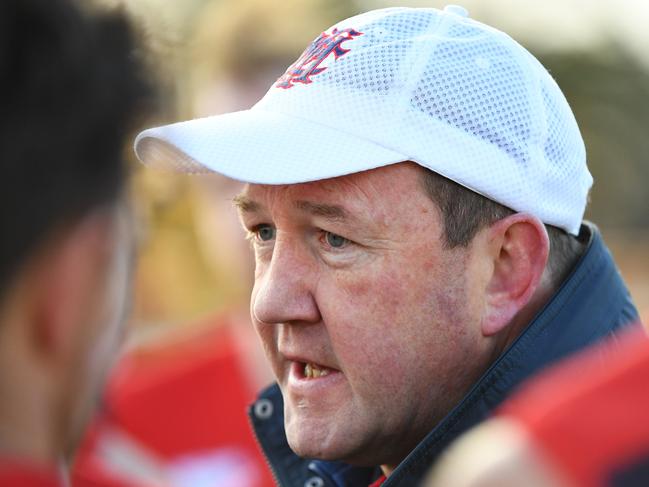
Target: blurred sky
<point>551,24</point>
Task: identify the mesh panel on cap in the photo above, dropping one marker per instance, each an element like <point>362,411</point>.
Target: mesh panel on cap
<point>462,86</point>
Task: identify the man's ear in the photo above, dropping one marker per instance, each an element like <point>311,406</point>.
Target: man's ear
<point>519,247</point>
<point>65,279</point>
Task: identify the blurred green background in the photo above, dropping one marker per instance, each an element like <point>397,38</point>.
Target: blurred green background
<point>215,56</point>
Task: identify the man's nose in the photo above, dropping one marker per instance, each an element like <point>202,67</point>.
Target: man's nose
<point>283,291</point>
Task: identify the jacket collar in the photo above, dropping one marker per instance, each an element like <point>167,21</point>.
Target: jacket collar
<point>591,304</point>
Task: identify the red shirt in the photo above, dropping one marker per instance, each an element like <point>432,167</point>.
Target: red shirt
<point>183,400</point>
<point>22,474</point>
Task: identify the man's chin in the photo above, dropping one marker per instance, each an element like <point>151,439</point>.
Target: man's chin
<point>311,449</point>
<point>346,442</point>
<point>334,453</point>
<point>311,439</point>
<point>320,442</point>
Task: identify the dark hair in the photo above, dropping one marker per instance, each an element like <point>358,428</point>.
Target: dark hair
<point>70,88</point>
<point>465,212</point>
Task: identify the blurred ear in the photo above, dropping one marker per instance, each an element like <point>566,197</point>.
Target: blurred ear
<point>65,280</point>
<point>519,247</point>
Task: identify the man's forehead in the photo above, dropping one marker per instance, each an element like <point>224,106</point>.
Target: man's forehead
<point>349,192</point>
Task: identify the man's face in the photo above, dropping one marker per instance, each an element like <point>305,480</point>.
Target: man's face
<point>371,325</point>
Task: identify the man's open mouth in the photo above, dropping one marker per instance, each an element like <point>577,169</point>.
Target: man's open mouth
<point>314,371</point>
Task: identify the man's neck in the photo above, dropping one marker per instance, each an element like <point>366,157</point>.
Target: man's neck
<point>27,426</point>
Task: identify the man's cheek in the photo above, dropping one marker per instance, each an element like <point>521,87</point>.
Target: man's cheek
<point>374,297</point>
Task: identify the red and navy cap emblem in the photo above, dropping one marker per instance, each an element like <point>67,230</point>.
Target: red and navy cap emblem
<point>308,64</point>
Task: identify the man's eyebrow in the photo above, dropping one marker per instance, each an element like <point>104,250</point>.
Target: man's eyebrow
<point>331,212</point>
<point>245,204</point>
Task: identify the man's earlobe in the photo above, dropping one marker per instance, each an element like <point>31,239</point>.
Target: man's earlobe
<point>519,246</point>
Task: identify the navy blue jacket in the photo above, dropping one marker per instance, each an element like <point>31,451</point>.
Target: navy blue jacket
<point>592,303</point>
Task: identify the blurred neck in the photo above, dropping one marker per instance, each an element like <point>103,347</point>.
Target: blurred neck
<point>27,424</point>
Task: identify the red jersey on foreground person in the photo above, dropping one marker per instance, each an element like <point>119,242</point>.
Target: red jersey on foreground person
<point>583,423</point>
<point>174,413</point>
<point>69,88</point>
<point>416,188</point>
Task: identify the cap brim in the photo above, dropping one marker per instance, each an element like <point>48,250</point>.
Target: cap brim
<point>257,146</point>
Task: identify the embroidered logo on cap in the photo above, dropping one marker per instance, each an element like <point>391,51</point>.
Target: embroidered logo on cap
<point>308,64</point>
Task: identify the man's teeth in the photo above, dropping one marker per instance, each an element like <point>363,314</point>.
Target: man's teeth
<point>312,371</point>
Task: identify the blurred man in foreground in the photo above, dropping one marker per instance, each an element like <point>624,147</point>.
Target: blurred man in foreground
<point>583,423</point>
<point>416,190</point>
<point>69,90</point>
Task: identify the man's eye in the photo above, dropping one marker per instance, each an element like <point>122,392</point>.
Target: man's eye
<point>335,241</point>
<point>265,233</point>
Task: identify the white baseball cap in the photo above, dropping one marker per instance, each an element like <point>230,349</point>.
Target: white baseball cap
<point>401,84</point>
